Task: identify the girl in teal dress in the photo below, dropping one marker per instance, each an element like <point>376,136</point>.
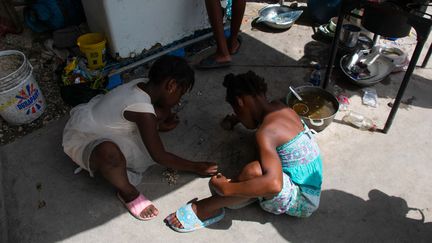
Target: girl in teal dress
<point>288,175</point>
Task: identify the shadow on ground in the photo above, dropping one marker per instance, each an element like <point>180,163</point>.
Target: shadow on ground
<point>46,202</point>
<point>417,92</point>
<point>343,217</point>
<point>44,198</point>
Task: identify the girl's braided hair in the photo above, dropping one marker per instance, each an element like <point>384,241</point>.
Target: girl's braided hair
<point>243,84</point>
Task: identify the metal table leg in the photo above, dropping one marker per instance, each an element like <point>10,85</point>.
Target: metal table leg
<point>404,84</point>
<point>334,48</point>
<point>428,55</point>
<point>376,38</point>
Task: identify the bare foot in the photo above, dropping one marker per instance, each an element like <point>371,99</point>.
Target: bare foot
<point>149,212</point>
<point>233,45</point>
<point>221,58</point>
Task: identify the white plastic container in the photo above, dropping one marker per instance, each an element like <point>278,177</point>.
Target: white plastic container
<point>133,26</point>
<point>21,100</point>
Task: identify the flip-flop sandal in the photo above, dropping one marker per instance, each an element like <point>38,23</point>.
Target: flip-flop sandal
<point>240,40</point>
<point>211,63</point>
<point>190,222</point>
<point>136,206</point>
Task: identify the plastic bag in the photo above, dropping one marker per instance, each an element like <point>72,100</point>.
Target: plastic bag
<point>343,98</point>
<point>370,97</point>
<point>344,102</point>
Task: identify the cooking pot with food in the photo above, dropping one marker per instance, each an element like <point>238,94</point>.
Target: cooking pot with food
<point>318,107</point>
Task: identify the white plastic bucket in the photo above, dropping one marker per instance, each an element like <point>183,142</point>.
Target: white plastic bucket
<point>21,100</point>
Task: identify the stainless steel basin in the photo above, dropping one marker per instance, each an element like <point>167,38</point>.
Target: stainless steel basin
<point>278,16</point>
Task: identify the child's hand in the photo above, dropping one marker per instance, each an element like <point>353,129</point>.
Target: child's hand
<point>229,122</point>
<point>169,124</point>
<point>205,168</point>
<point>218,182</point>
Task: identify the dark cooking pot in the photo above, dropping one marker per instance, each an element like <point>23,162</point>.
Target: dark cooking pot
<point>316,124</point>
<point>386,19</point>
<point>322,10</point>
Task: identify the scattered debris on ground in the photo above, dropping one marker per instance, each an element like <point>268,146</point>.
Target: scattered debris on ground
<point>41,203</point>
<point>171,176</point>
<point>45,61</point>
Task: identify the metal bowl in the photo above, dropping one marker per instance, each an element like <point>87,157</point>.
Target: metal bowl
<point>397,56</point>
<point>278,16</point>
<point>380,69</point>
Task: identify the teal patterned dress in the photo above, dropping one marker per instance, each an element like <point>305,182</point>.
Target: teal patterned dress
<point>302,177</point>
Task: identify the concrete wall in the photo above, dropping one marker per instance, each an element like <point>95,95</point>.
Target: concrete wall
<point>135,25</point>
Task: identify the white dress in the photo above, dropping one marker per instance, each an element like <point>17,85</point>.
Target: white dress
<point>101,119</point>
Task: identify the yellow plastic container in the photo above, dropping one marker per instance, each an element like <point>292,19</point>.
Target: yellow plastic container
<point>93,45</point>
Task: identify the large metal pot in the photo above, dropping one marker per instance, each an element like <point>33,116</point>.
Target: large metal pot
<point>316,124</point>
<point>386,19</point>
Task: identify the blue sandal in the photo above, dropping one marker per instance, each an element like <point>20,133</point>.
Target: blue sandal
<point>190,222</point>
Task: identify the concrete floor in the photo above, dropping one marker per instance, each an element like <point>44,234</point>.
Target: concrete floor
<point>376,186</point>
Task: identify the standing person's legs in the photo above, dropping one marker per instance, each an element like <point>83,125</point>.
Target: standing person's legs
<point>225,48</point>
<point>216,21</point>
<point>108,159</point>
<point>238,9</point>
<point>209,207</point>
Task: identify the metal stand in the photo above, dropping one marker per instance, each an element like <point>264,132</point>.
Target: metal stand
<point>376,38</point>
<point>428,55</point>
<point>420,24</point>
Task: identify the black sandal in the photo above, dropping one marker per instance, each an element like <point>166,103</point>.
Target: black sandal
<point>211,63</point>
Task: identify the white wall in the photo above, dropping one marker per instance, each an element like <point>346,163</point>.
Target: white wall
<point>132,26</point>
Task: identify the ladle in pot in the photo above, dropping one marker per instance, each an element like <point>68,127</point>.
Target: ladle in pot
<point>295,93</point>
<point>300,108</point>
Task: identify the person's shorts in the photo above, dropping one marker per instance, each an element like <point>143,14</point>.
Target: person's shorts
<point>290,200</point>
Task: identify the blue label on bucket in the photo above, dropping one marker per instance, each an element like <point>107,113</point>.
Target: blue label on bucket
<point>28,99</point>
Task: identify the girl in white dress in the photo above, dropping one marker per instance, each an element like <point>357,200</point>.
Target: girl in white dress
<point>117,134</point>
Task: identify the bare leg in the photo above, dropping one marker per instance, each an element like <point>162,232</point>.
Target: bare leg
<point>238,9</point>
<point>209,207</point>
<point>216,21</point>
<point>108,159</point>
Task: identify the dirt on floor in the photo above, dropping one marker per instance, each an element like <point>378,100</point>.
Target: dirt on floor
<point>46,61</point>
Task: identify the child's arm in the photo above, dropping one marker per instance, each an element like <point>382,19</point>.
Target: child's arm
<point>269,184</point>
<point>147,125</point>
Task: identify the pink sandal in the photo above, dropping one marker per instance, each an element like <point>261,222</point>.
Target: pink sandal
<point>136,206</point>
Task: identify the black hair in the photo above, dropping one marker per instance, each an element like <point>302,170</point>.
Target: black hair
<point>172,67</point>
<point>243,84</point>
